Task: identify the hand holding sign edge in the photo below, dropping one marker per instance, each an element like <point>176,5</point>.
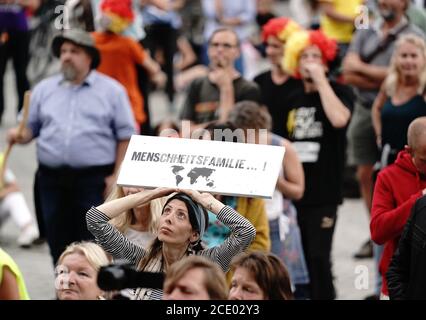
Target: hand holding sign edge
<point>160,192</point>
<point>205,199</point>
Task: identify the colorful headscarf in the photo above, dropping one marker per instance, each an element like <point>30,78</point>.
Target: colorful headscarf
<point>281,28</point>
<point>299,41</point>
<point>119,14</point>
<point>198,216</point>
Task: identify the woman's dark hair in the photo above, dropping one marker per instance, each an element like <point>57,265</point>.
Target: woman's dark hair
<point>198,217</point>
<point>250,115</point>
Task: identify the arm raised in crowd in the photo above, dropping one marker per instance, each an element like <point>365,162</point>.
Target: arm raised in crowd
<point>223,78</point>
<point>242,231</point>
<point>112,240</point>
<point>334,109</point>
<point>115,207</point>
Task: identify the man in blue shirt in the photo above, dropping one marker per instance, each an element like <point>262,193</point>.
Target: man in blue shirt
<point>83,122</point>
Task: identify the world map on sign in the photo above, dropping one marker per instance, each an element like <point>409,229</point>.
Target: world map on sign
<point>194,175</point>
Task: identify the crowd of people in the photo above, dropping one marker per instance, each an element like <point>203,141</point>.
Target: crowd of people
<point>348,88</point>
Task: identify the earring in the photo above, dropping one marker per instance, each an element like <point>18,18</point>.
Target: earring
<point>190,250</point>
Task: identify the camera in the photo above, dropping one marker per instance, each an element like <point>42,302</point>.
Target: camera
<point>120,276</point>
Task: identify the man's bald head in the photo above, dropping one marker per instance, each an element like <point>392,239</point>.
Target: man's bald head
<point>416,134</point>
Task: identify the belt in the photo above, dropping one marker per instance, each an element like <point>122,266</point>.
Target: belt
<point>67,170</point>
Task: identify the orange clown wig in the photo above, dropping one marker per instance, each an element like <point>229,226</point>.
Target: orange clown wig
<point>280,28</point>
<point>119,14</point>
<point>299,41</point>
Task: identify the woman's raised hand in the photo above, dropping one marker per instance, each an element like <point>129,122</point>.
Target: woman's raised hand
<point>160,192</point>
<point>207,200</point>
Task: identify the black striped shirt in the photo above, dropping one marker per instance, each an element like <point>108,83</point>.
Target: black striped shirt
<point>116,244</point>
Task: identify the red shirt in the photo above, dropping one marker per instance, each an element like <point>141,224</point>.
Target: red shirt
<point>397,188</point>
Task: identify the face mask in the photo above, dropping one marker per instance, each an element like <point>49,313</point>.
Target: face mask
<point>387,15</point>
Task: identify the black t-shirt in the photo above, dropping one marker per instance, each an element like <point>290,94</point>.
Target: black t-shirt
<point>202,102</point>
<point>320,146</point>
<point>275,98</point>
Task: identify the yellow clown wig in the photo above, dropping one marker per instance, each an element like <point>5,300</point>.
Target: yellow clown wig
<point>302,39</point>
<point>280,28</point>
<point>119,14</point>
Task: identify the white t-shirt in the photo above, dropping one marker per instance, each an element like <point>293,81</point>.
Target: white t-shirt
<point>140,238</point>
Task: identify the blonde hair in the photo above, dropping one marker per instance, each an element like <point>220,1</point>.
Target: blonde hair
<point>299,41</point>
<point>214,278</point>
<point>393,78</point>
<point>95,255</point>
<point>123,221</point>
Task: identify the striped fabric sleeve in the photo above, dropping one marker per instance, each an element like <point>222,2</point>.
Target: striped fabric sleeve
<point>242,234</point>
<point>112,240</point>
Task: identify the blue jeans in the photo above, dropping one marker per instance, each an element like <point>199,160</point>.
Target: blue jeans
<point>290,250</point>
<point>377,253</point>
<point>65,196</point>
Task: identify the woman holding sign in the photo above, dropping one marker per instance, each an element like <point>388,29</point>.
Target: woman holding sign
<point>182,225</point>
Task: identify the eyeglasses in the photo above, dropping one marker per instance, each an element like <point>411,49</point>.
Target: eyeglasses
<point>223,45</point>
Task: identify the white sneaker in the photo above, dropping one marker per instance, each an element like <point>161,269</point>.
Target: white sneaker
<point>27,236</point>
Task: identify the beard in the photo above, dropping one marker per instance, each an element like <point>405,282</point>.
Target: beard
<point>69,72</point>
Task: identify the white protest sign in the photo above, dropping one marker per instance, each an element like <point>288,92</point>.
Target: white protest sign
<point>210,166</point>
